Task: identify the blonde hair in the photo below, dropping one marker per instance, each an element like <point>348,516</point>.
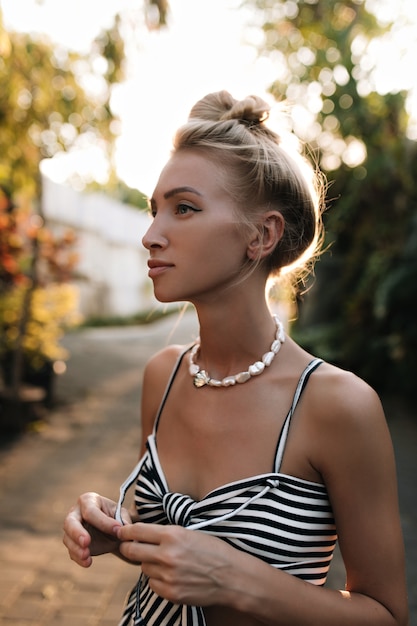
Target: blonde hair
<point>262,175</point>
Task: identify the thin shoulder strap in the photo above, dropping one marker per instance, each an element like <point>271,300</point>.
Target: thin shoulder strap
<point>168,387</point>
<point>302,383</point>
<point>134,473</point>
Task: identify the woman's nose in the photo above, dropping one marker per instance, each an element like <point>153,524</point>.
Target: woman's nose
<point>153,237</point>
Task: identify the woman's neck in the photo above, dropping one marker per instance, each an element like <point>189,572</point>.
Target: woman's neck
<point>232,337</point>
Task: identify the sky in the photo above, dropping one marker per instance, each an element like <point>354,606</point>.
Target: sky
<point>208,46</point>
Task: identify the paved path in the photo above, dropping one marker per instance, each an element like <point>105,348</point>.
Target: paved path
<point>90,442</point>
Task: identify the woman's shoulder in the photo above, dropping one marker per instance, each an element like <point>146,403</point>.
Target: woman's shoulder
<point>340,401</point>
<point>156,376</point>
<point>341,389</point>
<point>346,423</point>
<point>162,363</point>
<point>159,369</point>
<point>332,391</point>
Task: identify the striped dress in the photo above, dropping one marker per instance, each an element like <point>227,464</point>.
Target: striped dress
<point>285,521</point>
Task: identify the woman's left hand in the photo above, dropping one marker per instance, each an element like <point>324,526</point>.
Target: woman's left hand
<point>183,566</point>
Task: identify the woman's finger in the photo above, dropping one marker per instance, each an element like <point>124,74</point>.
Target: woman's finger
<point>146,533</point>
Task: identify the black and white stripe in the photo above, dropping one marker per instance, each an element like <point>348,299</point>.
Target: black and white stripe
<point>285,521</point>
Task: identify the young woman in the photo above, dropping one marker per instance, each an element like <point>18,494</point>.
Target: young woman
<point>256,456</point>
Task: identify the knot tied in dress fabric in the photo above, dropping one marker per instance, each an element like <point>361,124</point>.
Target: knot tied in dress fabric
<point>178,508</point>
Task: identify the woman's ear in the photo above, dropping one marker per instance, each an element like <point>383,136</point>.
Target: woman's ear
<point>269,232</point>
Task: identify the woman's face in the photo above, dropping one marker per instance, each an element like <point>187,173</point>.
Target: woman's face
<point>196,245</point>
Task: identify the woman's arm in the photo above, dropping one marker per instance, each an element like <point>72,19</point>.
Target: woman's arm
<point>352,450</point>
<point>90,528</point>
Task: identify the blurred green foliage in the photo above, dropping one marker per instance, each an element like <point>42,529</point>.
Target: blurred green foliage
<point>359,310</point>
<point>52,100</point>
<point>46,105</point>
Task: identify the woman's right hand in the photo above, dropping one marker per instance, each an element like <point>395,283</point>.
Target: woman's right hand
<point>90,528</point>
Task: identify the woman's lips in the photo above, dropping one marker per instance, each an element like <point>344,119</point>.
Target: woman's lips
<point>157,267</point>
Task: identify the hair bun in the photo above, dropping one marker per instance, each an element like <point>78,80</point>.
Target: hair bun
<point>221,106</point>
<point>251,111</point>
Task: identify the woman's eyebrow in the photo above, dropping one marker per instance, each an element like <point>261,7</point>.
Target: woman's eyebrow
<point>173,192</point>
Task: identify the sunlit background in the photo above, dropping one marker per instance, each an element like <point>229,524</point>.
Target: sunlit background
<point>208,45</point>
<point>72,257</point>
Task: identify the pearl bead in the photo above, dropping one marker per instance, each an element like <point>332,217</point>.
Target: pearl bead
<point>242,377</point>
<point>267,358</point>
<point>276,346</point>
<point>228,381</point>
<point>257,368</point>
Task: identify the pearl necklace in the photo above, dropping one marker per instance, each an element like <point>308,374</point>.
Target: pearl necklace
<point>201,377</point>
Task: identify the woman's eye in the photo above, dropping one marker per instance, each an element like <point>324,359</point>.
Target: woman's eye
<point>183,209</point>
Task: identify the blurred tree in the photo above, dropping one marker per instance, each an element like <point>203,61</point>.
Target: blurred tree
<point>36,306</point>
<point>359,311</point>
<point>52,100</point>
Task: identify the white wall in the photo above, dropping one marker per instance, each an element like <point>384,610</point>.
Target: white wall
<point>112,272</point>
